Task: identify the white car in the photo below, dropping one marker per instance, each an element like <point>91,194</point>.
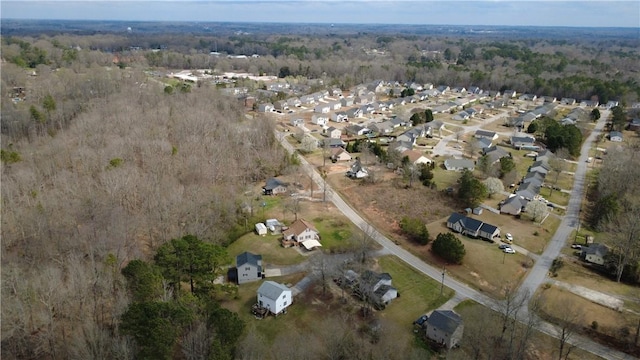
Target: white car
<point>509,250</point>
<point>508,236</point>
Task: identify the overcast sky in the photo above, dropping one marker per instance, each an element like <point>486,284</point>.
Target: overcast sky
<point>437,12</point>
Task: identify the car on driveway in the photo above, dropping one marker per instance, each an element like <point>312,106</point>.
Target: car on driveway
<point>576,246</point>
<point>421,320</point>
<point>508,236</point>
<point>509,250</point>
<point>503,246</point>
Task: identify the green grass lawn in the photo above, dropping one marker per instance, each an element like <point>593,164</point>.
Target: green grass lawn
<point>557,197</point>
<point>336,234</point>
<point>268,246</point>
<point>418,293</point>
<point>444,178</point>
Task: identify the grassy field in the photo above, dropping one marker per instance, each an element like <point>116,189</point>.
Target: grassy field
<point>612,326</point>
<point>336,231</point>
<point>557,197</point>
<point>481,322</point>
<point>268,246</point>
<point>418,293</point>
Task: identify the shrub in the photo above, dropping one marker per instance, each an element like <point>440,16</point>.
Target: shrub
<point>594,325</point>
<point>449,247</point>
<point>415,229</point>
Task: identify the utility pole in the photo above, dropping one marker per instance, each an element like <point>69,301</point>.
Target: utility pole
<point>442,284</point>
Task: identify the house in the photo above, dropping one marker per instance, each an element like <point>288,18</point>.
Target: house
<point>356,130</point>
<point>594,253</point>
<point>634,125</point>
<point>274,186</point>
<point>513,205</point>
<point>333,132</point>
<point>539,166</point>
<point>294,102</point>
<point>249,267</point>
<point>462,115</point>
<point>339,116</point>
<point>416,158</point>
<point>319,119</point>
<point>333,143</point>
<point>385,127</point>
<point>509,93</point>
<point>322,109</point>
<point>483,143</point>
<point>357,171</point>
<point>568,101</point>
<point>261,229</point>
<point>495,153</point>
<point>487,231</point>
<point>377,287</point>
<point>265,108</point>
<point>335,105</point>
<point>472,227</point>
<point>491,135</point>
<point>353,113</point>
<point>459,164</point>
<point>528,190</point>
<point>297,122</point>
<point>445,327</point>
<point>464,225</point>
<point>307,99</point>
<point>611,104</point>
<point>589,103</point>
<point>534,177</point>
<point>281,105</point>
<point>340,154</point>
<point>528,97</point>
<point>347,101</point>
<point>274,297</point>
<point>615,136</point>
<point>519,142</point>
<point>299,232</point>
<point>335,92</point>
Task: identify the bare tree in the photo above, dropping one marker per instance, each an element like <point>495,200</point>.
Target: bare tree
<point>537,210</point>
<point>625,246</point>
<point>558,165</point>
<point>568,326</point>
<point>494,186</point>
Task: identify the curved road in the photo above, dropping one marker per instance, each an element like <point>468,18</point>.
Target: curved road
<point>537,274</point>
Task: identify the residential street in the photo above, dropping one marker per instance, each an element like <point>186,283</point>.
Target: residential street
<point>537,275</point>
<point>442,149</point>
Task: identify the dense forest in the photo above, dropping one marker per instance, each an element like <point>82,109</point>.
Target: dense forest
<point>101,166</point>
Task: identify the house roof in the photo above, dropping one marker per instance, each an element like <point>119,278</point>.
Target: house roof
<point>467,222</point>
<point>414,155</point>
<point>488,228</point>
<point>273,183</point>
<point>298,227</point>
<point>615,133</point>
<point>310,244</point>
<point>595,249</point>
<point>458,164</point>
<point>445,320</point>
<point>484,142</point>
<point>248,258</point>
<point>517,202</point>
<point>522,140</point>
<point>272,290</point>
<point>485,133</point>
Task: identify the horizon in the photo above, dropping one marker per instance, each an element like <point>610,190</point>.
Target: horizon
<point>569,14</point>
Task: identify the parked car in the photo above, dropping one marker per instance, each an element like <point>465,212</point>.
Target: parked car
<point>509,250</point>
<point>503,246</point>
<point>508,236</point>
<point>576,246</point>
<point>421,320</point>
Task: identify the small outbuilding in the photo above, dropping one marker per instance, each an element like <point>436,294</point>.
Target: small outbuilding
<point>261,229</point>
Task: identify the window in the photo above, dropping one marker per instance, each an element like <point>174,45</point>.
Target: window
<point>248,268</point>
<point>284,303</point>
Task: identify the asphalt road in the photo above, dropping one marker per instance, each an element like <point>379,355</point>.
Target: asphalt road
<point>537,274</point>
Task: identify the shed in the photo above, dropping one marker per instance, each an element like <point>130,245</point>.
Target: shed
<point>261,229</point>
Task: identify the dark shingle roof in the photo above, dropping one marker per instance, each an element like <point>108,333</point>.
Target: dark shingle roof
<point>445,320</point>
<point>248,258</point>
<point>273,183</point>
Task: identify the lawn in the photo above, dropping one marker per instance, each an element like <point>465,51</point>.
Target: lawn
<point>484,323</point>
<point>574,272</point>
<point>444,178</point>
<point>556,197</point>
<point>336,232</point>
<point>418,294</point>
<point>613,328</point>
<point>268,246</point>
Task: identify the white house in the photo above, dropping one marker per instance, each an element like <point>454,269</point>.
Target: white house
<point>274,297</point>
<point>322,108</point>
<point>319,119</point>
<point>339,116</point>
<point>416,158</point>
<point>615,136</point>
<point>333,133</point>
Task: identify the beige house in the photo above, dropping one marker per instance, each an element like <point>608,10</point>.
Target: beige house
<point>340,154</point>
<point>298,233</point>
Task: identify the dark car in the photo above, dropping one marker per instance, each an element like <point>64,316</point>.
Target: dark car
<point>421,320</point>
<point>503,246</point>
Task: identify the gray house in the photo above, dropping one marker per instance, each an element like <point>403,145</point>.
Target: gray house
<point>274,186</point>
<point>472,227</point>
<point>594,253</point>
<point>445,327</point>
<point>249,267</point>
<point>513,205</point>
<point>459,164</point>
